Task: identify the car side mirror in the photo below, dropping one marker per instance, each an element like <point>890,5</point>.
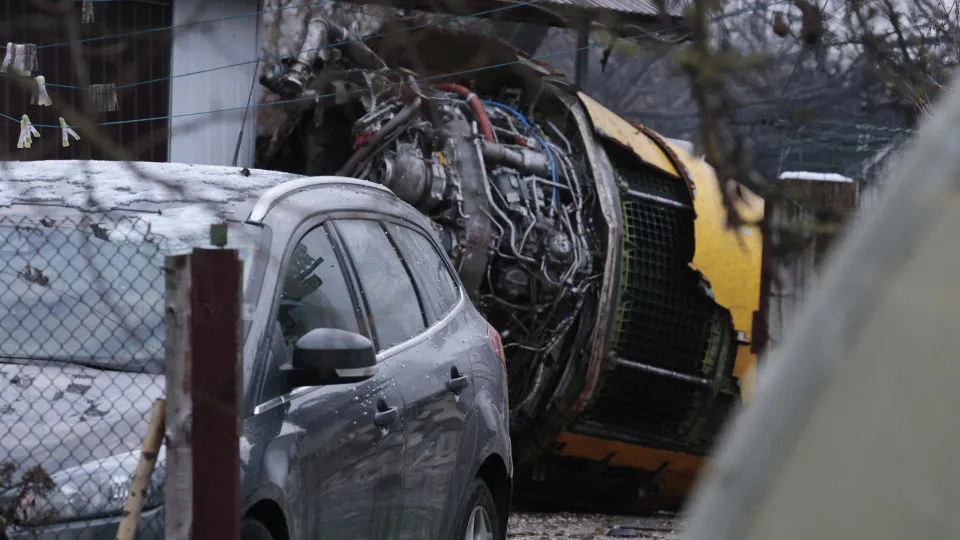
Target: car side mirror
<point>331,356</point>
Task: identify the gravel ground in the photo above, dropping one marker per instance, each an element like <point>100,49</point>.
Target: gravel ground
<point>531,526</point>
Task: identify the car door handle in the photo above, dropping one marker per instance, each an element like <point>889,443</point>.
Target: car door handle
<point>457,382</point>
<point>384,415</point>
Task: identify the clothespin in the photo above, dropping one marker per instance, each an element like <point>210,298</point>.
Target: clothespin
<point>30,58</point>
<point>103,97</point>
<point>19,61</point>
<point>25,58</point>
<point>66,132</point>
<point>87,11</point>
<point>8,58</point>
<point>20,58</point>
<point>27,132</point>
<point>41,97</point>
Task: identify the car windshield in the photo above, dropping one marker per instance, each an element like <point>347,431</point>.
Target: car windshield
<point>91,292</point>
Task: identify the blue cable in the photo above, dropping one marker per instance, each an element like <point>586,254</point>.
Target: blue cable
<point>543,143</point>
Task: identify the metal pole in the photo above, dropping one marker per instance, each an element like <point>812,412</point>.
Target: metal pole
<point>583,53</point>
<point>677,376</point>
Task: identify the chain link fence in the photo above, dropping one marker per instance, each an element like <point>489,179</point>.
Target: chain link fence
<point>81,363</point>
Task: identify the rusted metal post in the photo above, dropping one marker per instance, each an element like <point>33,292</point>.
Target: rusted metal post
<point>204,307</point>
<point>760,337</point>
<point>215,305</point>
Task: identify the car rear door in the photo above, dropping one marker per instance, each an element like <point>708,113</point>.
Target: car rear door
<point>434,376</point>
<point>396,319</point>
<point>343,452</point>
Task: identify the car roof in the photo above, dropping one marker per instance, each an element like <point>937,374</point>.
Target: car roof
<point>176,198</point>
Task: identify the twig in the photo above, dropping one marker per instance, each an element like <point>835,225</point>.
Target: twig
<point>141,478</point>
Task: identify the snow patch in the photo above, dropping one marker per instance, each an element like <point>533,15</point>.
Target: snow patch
<point>108,185</point>
<point>181,228</point>
<point>822,177</point>
<point>686,145</point>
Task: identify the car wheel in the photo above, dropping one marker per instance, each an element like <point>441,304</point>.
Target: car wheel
<point>251,529</point>
<point>477,519</point>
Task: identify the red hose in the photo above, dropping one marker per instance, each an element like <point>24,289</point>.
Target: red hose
<point>482,119</point>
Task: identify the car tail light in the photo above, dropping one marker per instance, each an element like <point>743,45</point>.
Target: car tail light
<point>496,344</point>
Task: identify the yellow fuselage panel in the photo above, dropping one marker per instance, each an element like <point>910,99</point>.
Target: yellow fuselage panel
<point>730,259</point>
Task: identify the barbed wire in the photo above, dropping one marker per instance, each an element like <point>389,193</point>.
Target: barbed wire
<point>520,61</point>
<point>312,49</point>
<point>177,26</point>
<point>803,129</point>
<point>452,19</point>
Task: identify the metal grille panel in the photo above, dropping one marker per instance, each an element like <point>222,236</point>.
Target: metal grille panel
<point>664,317</point>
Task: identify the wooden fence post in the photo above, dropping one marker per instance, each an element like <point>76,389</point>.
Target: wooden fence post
<point>177,490</point>
<point>203,314</point>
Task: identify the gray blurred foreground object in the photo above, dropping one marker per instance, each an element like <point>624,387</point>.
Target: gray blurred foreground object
<point>853,433</point>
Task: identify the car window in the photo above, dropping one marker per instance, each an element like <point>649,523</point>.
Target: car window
<point>395,311</point>
<point>85,291</point>
<point>315,292</point>
<point>438,288</point>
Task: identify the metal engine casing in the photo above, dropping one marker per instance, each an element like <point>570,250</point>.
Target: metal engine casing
<point>647,353</point>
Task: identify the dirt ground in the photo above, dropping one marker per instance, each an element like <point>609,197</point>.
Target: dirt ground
<point>530,526</point>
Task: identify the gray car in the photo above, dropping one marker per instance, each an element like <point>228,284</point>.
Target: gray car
<point>406,438</point>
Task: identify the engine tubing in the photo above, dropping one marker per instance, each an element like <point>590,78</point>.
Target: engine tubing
<point>348,168</point>
<point>483,121</point>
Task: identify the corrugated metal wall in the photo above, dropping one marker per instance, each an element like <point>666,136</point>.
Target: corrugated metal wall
<point>123,59</point>
<point>228,36</point>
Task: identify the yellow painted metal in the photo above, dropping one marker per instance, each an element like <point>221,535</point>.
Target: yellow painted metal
<point>676,481</point>
<point>608,124</point>
<point>729,259</point>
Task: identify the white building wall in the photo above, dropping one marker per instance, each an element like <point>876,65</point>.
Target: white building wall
<point>211,139</point>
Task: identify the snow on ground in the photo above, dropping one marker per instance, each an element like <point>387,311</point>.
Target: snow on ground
<point>530,526</point>
<point>818,176</point>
